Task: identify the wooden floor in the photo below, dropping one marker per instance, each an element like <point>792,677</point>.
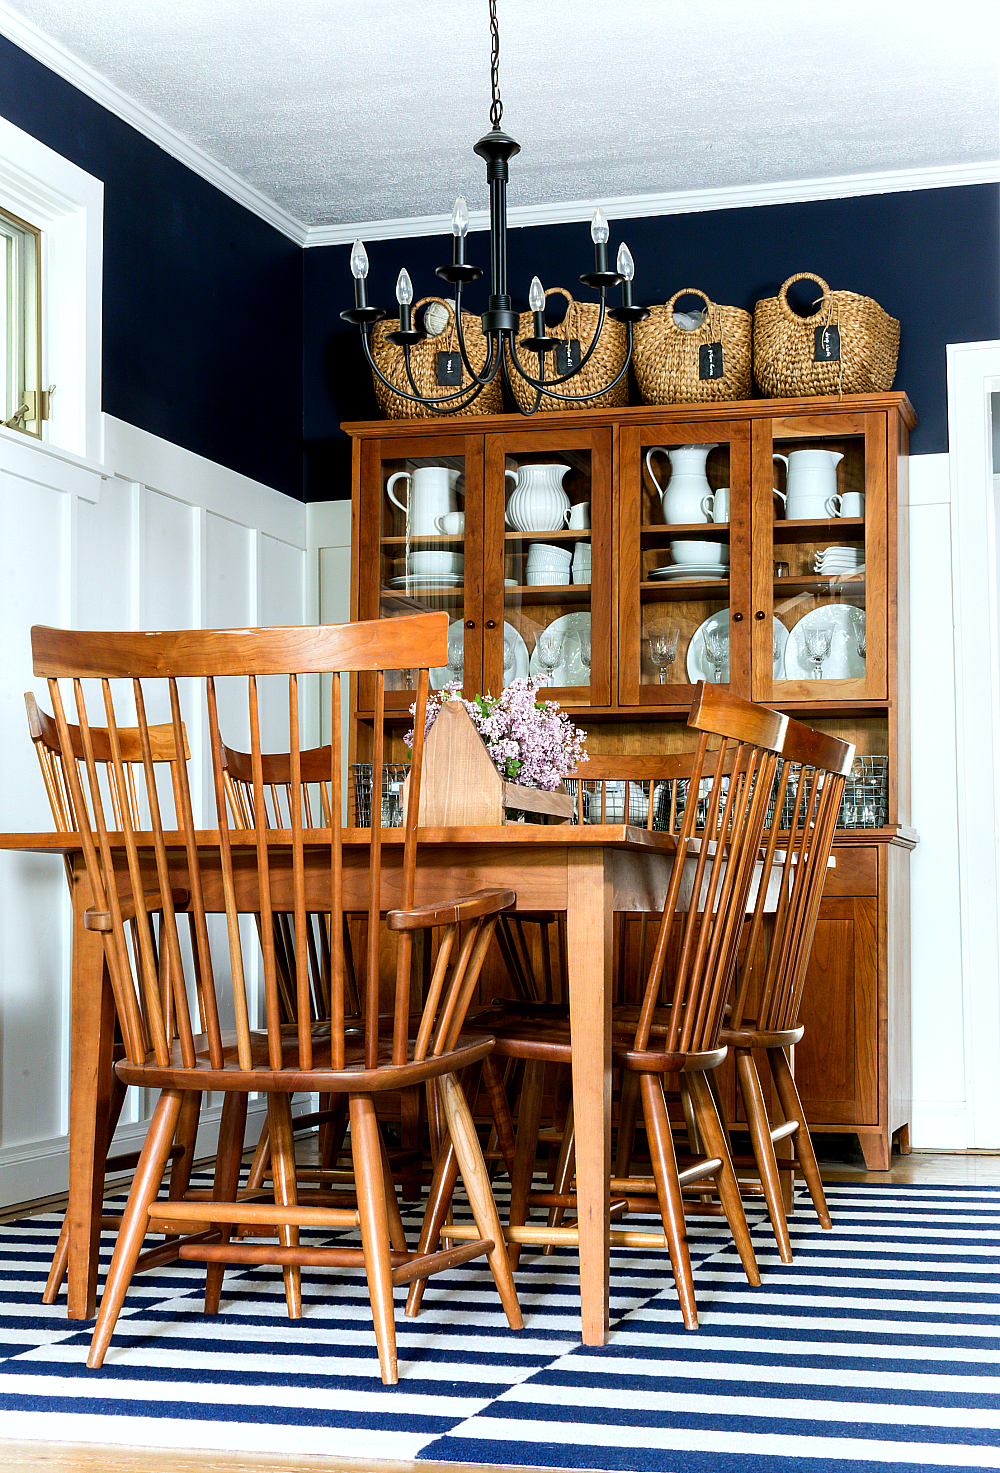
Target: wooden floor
<point>839,1162</point>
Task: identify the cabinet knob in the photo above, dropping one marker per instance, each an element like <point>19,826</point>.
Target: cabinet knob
<point>470,623</point>
<point>759,614</point>
<point>737,618</point>
<point>491,623</point>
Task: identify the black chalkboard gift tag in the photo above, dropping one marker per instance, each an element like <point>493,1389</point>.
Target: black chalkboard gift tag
<point>827,349</point>
<point>710,361</point>
<point>449,368</point>
<point>568,356</point>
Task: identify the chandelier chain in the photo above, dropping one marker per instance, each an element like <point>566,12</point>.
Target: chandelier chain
<point>496,106</point>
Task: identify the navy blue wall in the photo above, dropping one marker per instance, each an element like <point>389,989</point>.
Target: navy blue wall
<point>202,300</point>
<point>931,258</point>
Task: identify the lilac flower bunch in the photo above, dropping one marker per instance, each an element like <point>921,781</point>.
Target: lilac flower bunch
<point>530,742</point>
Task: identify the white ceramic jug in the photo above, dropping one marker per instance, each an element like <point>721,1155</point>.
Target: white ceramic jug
<point>683,499</point>
<point>811,483</point>
<point>433,493</point>
<point>538,502</point>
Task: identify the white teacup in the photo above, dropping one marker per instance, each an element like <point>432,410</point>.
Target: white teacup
<point>578,516</point>
<point>716,507</point>
<point>452,523</point>
<point>426,564</point>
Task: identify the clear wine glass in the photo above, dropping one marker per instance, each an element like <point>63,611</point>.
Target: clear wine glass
<point>818,642</point>
<point>509,661</point>
<point>862,638</point>
<point>717,650</point>
<point>456,659</point>
<point>584,638</point>
<point>549,648</point>
<point>663,651</point>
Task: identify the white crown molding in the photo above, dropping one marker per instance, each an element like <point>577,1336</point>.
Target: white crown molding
<point>683,202</point>
<point>49,52</point>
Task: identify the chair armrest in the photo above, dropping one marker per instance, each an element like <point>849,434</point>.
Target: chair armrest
<point>100,920</point>
<point>451,912</point>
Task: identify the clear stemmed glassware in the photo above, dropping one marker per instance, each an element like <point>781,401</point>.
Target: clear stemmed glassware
<point>584,638</point>
<point>509,660</point>
<point>717,650</point>
<point>862,637</point>
<point>663,651</point>
<point>818,641</point>
<point>549,648</point>
<point>456,659</point>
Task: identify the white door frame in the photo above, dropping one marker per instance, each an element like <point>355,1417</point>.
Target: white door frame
<point>973,374</point>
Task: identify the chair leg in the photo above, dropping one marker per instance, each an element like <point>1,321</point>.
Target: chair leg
<point>784,1083</point>
<point>228,1158</point>
<point>442,1190</point>
<point>528,1116</point>
<point>370,1188</point>
<point>397,1236</point>
<point>145,1186</point>
<point>186,1137</point>
<point>279,1113</point>
<point>462,1130</point>
<point>628,1109</point>
<point>565,1168</point>
<point>668,1192</point>
<point>60,1258</point>
<point>712,1135</point>
<point>497,1096</point>
<point>763,1149</point>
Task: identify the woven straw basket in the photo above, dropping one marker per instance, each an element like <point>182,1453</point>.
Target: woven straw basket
<point>784,345</point>
<point>667,359</point>
<point>580,322</point>
<point>423,364</point>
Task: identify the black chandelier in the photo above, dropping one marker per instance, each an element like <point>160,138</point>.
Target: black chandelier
<point>500,321</point>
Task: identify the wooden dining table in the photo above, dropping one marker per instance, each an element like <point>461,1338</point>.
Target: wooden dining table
<point>587,872</point>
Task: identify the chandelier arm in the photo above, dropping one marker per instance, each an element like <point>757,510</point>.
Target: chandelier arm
<point>416,398</point>
<point>573,372</point>
<point>545,387</point>
<point>490,367</point>
<point>505,371</point>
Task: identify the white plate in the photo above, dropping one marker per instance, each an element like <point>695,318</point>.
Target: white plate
<point>440,674</point>
<point>694,571</point>
<point>844,662</point>
<point>571,671</point>
<point>427,580</point>
<point>698,665</point>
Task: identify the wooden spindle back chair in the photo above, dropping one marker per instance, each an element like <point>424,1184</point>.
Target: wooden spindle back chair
<point>768,992</point>
<point>163,747</point>
<point>264,871</point>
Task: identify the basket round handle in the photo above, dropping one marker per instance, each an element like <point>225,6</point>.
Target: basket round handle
<point>783,296</point>
<point>688,291</point>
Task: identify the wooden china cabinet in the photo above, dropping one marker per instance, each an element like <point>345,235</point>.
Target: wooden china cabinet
<point>752,580</point>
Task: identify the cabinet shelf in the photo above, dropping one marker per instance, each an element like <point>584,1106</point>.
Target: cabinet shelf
<point>550,593</point>
<point>684,590</point>
<point>820,529</point>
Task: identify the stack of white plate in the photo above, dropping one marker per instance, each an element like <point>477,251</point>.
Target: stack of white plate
<point>696,572</point>
<point>840,560</point>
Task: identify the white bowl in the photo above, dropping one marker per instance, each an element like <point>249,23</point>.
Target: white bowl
<point>699,552</point>
<point>432,561</point>
<point>581,574</point>
<point>544,552</point>
<point>546,577</point>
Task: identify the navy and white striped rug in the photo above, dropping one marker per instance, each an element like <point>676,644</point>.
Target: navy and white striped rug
<point>877,1349</point>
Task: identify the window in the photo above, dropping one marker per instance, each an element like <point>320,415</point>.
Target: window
<point>20,325</point>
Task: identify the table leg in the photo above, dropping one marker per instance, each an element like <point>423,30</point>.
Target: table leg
<point>589,915</point>
<point>91,1048</point>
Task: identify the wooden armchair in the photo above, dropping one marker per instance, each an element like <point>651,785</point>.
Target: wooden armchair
<point>279,871</point>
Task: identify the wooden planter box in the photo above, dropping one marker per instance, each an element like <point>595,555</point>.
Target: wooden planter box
<point>461,786</point>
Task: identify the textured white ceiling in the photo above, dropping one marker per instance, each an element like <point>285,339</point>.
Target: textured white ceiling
<point>368,110</point>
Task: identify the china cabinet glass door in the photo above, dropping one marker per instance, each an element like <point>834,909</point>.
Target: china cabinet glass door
<point>418,550</point>
<point>819,559</point>
<point>684,577</point>
<point>547,587</point>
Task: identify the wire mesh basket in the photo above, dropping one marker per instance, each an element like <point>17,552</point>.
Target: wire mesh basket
<point>865,804</point>
<point>393,777</point>
<point>613,808</point>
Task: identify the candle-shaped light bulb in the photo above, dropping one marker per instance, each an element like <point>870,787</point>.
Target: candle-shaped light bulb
<point>459,229</point>
<point>536,295</point>
<point>599,228</point>
<point>626,270</point>
<point>359,261</point>
<point>359,270</point>
<point>599,233</point>
<point>404,288</point>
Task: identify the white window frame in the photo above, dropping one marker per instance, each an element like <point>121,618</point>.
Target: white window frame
<point>66,204</point>
<point>20,320</point>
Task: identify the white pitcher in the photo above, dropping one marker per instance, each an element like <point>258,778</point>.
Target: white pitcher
<point>538,502</point>
<point>684,496</point>
<point>432,494</point>
<point>811,483</point>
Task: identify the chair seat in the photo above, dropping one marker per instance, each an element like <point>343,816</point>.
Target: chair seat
<point>750,1036</point>
<point>353,1078</point>
<point>547,1039</point>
